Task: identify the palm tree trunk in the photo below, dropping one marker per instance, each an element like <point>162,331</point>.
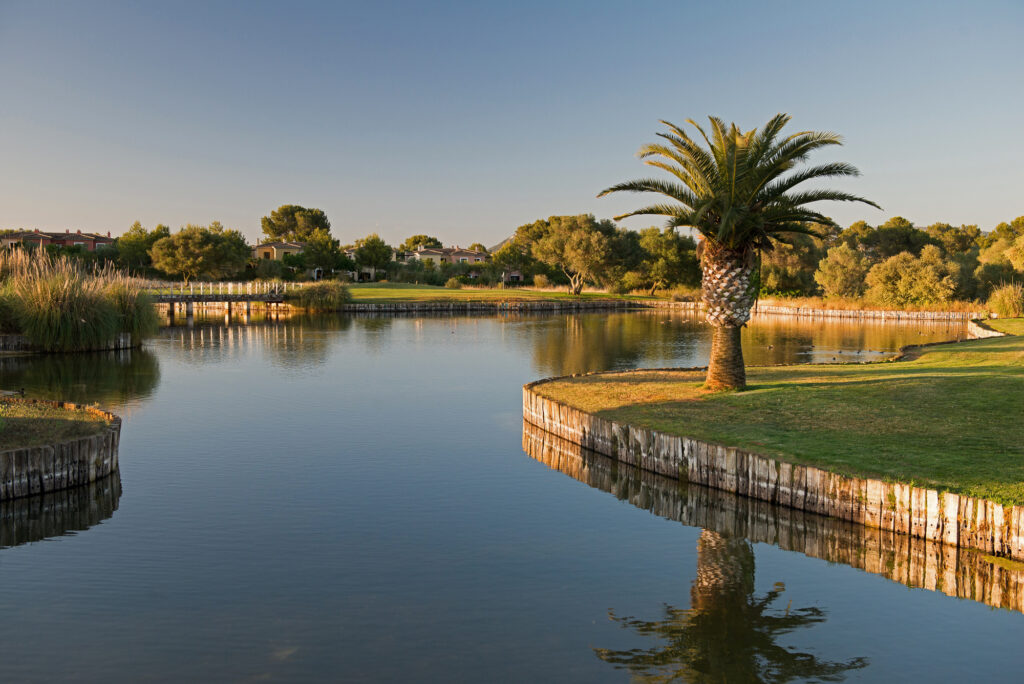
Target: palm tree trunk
<point>725,568</point>
<point>725,369</point>
<point>728,289</point>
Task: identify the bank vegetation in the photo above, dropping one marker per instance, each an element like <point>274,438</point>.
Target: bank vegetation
<point>60,303</point>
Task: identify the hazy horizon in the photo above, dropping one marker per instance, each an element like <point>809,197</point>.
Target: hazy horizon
<point>465,121</point>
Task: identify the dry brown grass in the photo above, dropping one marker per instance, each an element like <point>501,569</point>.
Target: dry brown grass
<point>25,425</point>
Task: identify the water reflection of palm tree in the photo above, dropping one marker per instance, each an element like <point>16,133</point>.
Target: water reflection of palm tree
<point>728,634</point>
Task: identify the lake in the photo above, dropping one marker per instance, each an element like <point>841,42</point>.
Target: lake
<point>349,499</point>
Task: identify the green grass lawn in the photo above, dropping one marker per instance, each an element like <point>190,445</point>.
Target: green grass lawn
<point>952,418</point>
<point>26,425</point>
<point>393,293</point>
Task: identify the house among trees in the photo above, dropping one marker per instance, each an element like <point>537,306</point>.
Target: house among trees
<point>447,255</point>
<point>275,251</point>
<point>37,238</point>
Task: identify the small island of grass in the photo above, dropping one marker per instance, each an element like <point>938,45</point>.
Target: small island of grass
<point>948,416</point>
<point>28,424</point>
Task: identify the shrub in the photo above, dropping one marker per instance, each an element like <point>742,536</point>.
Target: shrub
<point>904,279</point>
<point>270,269</point>
<point>632,280</point>
<point>618,288</point>
<point>988,277</point>
<point>453,283</point>
<point>841,273</point>
<point>541,280</point>
<point>1008,300</point>
<point>327,295</point>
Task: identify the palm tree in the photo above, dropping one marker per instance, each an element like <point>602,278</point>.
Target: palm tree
<point>737,195</point>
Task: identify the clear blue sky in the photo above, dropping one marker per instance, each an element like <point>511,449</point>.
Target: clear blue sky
<point>465,120</point>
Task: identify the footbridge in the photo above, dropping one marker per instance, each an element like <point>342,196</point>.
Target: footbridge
<point>185,296</point>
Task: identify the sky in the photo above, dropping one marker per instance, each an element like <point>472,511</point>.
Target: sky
<point>464,120</point>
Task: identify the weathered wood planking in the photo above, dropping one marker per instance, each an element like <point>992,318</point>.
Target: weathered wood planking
<point>50,467</point>
<point>891,553</point>
<point>894,507</point>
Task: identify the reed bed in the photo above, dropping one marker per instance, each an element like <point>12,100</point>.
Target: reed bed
<point>59,304</point>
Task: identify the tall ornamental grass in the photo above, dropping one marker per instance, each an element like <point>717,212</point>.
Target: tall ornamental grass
<point>135,309</point>
<point>319,297</point>
<point>61,305</point>
<point>1008,300</point>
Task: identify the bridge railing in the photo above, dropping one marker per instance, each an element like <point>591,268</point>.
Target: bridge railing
<point>251,288</point>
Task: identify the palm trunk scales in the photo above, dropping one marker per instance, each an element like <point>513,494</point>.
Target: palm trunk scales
<point>728,290</point>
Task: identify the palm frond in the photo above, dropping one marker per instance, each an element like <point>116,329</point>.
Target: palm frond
<point>672,210</point>
<point>783,185</point>
<point>824,195</point>
<point>736,189</point>
<point>673,190</point>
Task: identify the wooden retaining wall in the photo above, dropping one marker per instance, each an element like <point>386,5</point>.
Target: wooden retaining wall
<point>51,467</point>
<point>849,314</point>
<point>20,343</point>
<point>493,307</point>
<point>922,513</point>
<point>977,330</point>
<point>624,304</point>
<point>915,562</point>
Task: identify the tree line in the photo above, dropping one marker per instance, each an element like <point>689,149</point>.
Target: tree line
<point>896,263</point>
<point>892,264</point>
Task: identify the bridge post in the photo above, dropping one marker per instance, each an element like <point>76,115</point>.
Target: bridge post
<point>188,308</point>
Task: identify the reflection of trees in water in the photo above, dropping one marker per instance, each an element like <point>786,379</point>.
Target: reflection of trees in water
<point>593,342</point>
<point>728,634</point>
<point>566,343</point>
<point>373,323</point>
<point>108,378</point>
<point>589,342</point>
<point>289,341</point>
<point>773,339</point>
<point>34,518</point>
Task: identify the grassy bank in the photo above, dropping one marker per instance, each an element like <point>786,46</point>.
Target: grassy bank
<point>27,425</point>
<point>393,293</point>
<point>949,419</point>
<point>384,293</point>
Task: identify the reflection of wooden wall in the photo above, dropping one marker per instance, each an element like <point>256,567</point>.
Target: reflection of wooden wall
<point>51,515</point>
<point>494,306</point>
<point>899,557</point>
<point>922,513</point>
<point>20,343</point>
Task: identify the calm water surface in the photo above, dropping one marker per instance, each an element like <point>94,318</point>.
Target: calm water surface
<point>348,499</point>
